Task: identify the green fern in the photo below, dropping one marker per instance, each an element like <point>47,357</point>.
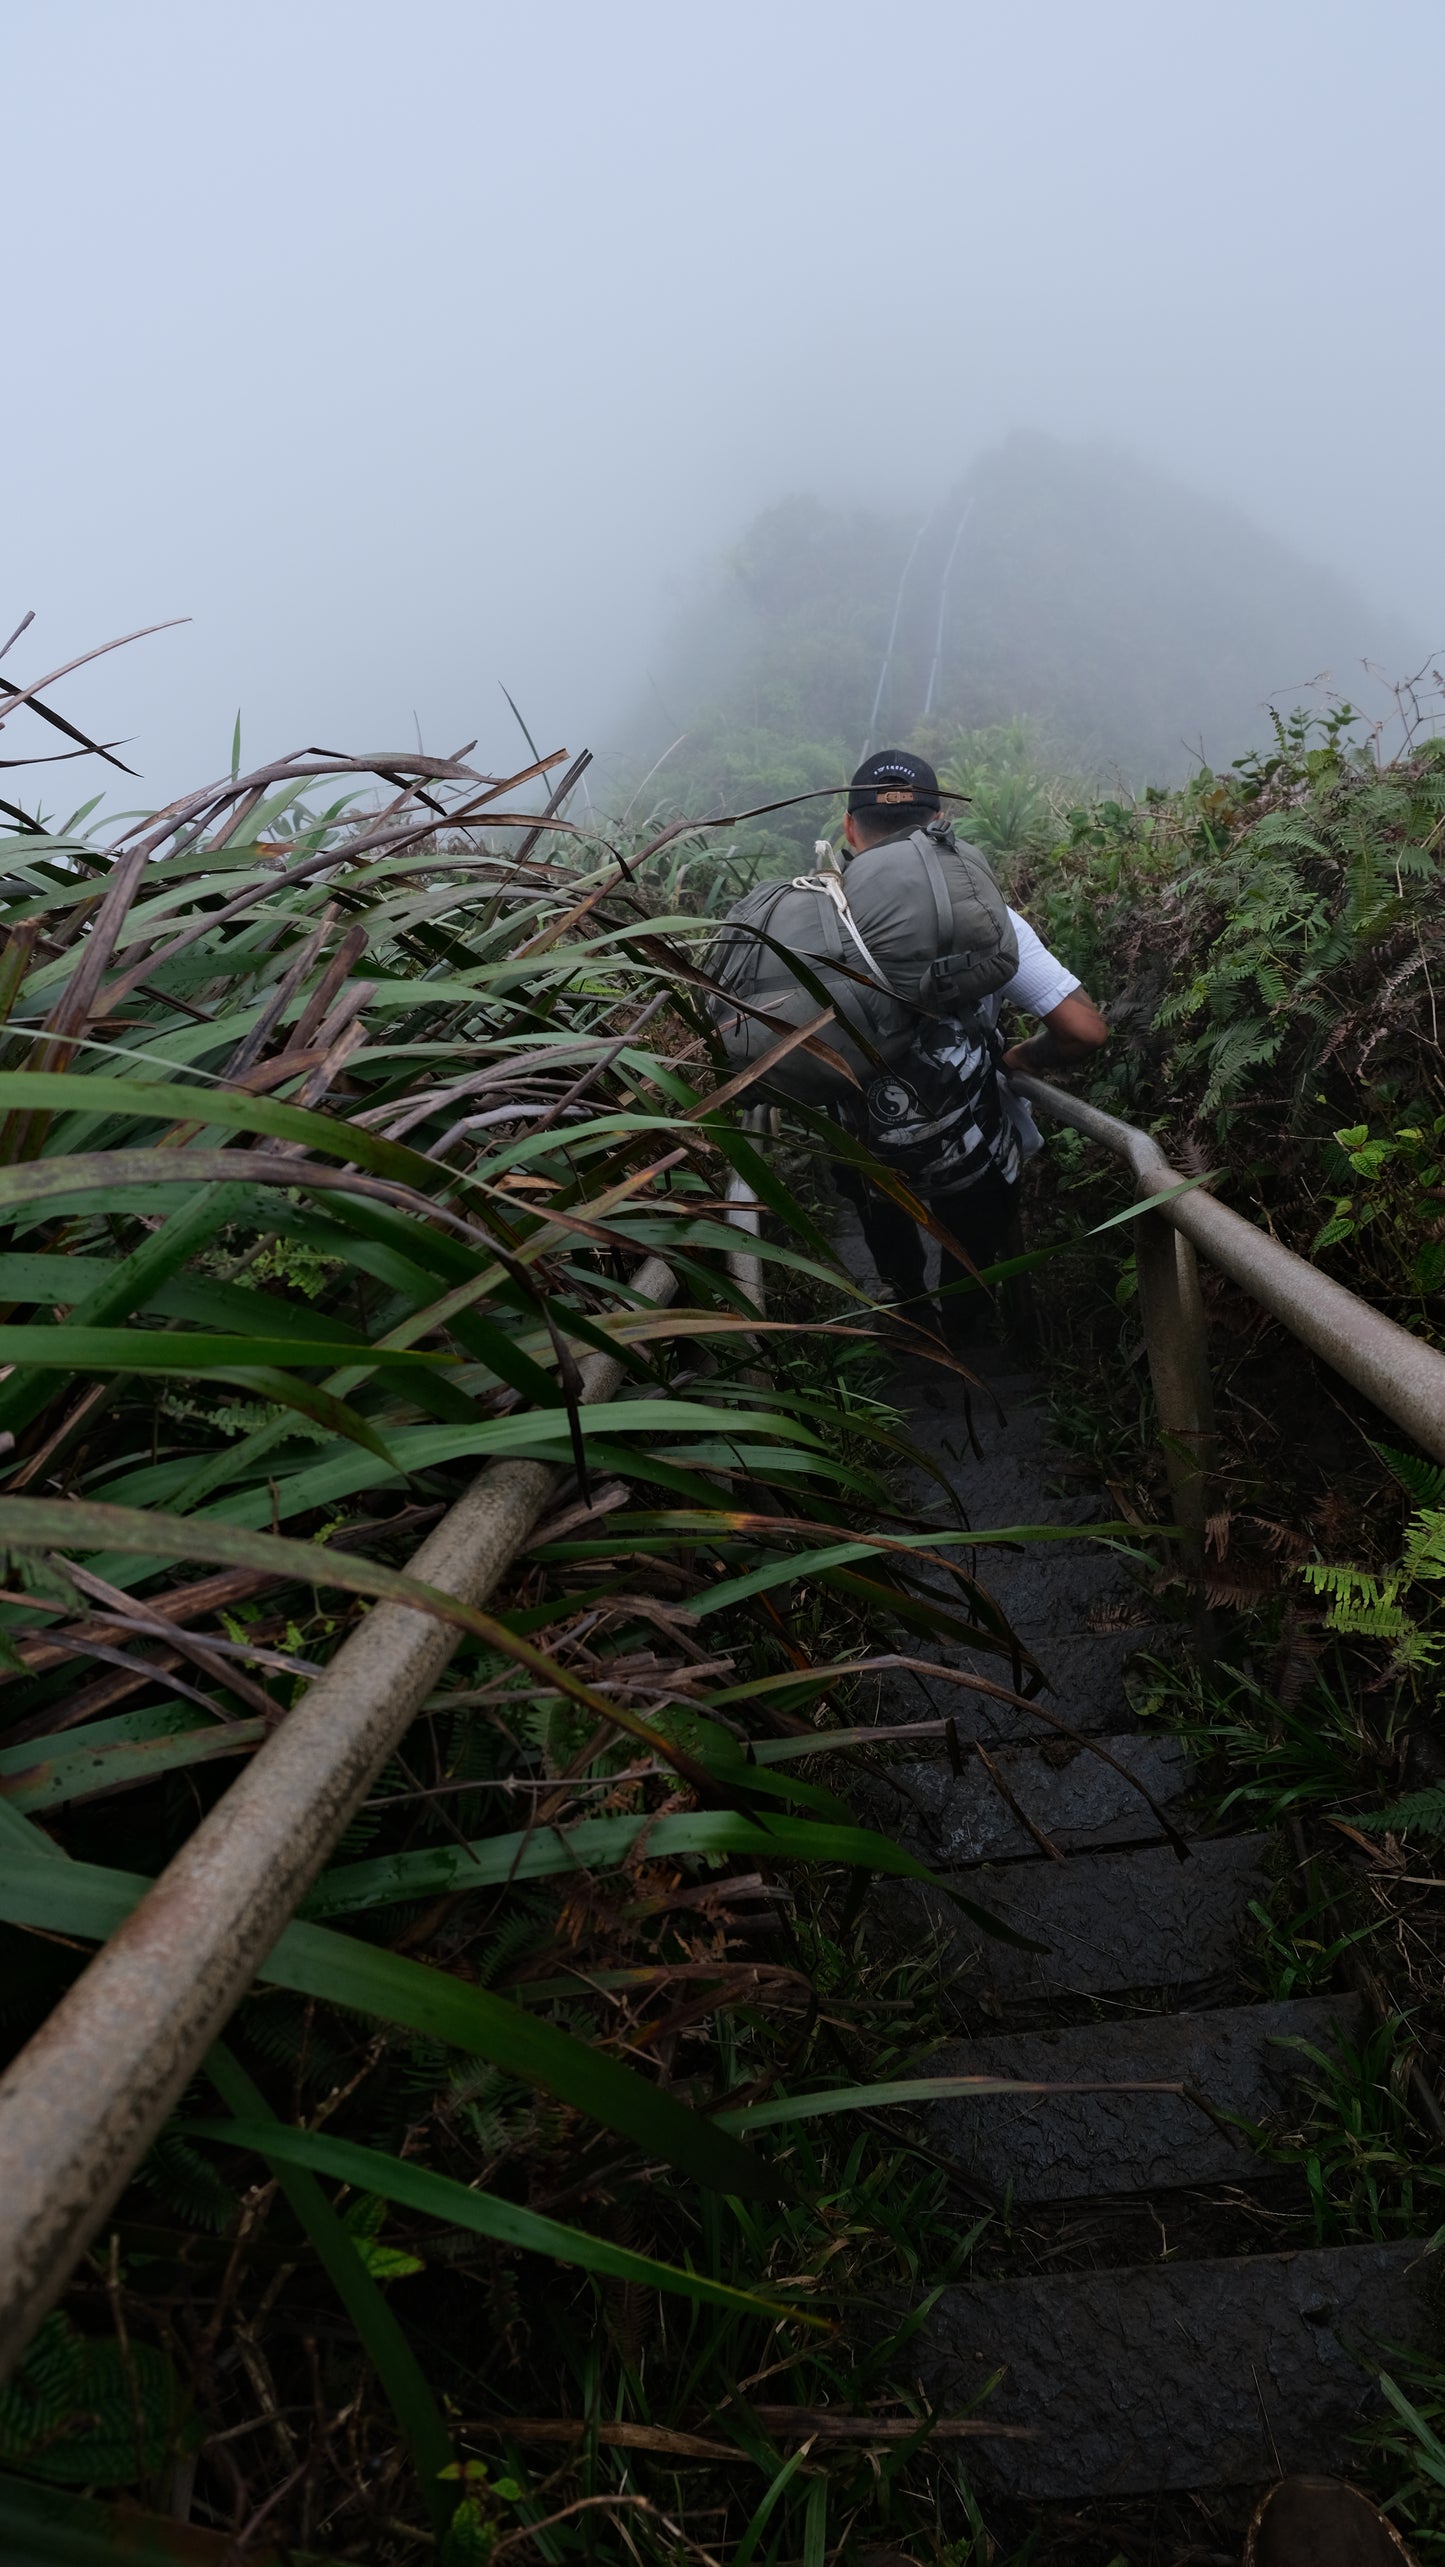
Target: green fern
<point>80,2413</point>
<point>517,1937</point>
<point>1424,1555</point>
<point>1285,829</point>
<point>288,2033</point>
<point>1275,909</point>
<point>187,2183</point>
<point>290,1261</point>
<point>1364,1606</point>
<point>493,2106</point>
<point>1242,1048</point>
<point>1418,1814</point>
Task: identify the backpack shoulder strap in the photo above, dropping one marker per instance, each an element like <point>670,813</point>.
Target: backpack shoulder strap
<point>942,905</point>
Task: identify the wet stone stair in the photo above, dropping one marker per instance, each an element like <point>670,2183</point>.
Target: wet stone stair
<point>1146,2333</point>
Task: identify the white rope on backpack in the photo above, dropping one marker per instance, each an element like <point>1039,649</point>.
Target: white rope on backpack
<point>830,886</point>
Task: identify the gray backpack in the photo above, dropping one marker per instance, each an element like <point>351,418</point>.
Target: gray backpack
<point>920,921</point>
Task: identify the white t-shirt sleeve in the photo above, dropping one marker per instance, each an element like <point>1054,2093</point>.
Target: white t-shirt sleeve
<point>1041,982</point>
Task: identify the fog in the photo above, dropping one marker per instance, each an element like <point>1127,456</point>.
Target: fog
<point>407,351</point>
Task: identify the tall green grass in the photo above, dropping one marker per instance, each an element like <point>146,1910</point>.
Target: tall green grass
<point>335,1120</point>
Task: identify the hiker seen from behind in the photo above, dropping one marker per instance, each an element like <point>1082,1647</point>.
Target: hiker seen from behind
<point>919,953</point>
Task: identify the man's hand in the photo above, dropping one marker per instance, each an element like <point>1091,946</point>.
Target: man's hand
<point>1070,1032</point>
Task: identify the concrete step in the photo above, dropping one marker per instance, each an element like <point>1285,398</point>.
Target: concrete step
<point>1018,1477</point>
<point>1087,1670</point>
<point>1009,1487</point>
<point>1176,2375</point>
<point>940,1405</point>
<point>1088,2147</point>
<point>1076,1799</point>
<point>1086,1673</point>
<point>1111,1922</point>
<point>1053,1589</point>
<point>1005,1489</point>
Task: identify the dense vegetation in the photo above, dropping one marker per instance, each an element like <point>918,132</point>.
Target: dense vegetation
<point>1268,940</point>
<point>339,1123</point>
<point>555,2179</point>
<point>1271,942</point>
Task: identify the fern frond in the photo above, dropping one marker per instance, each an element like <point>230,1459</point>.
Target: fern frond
<point>1285,829</point>
<point>1424,1554</point>
<point>1418,1814</point>
<point>77,2414</point>
<point>287,2034</point>
<point>187,2183</point>
<point>1244,1047</point>
<point>530,1923</point>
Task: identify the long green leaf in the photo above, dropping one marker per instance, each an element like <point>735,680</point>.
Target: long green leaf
<point>39,1524</point>
<point>606,1842</point>
<point>72,1348</point>
<point>1430,2454</point>
<point>807,1564</point>
<point>84,1899</point>
<point>19,1837</point>
<point>114,1295</point>
<point>90,1093</point>
<point>395,2364</point>
<point>72,1767</point>
<point>918,2090</point>
<point>50,2527</point>
<point>27,1276</point>
<point>747,2546</point>
<point>815,2525</point>
<point>400,2179</point>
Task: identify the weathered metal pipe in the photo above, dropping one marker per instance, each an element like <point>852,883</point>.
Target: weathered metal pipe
<point>746,1213</point>
<point>1178,1367</point>
<point>81,2104</point>
<point>1404,1378</point>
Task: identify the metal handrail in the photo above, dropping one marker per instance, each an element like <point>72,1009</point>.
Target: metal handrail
<point>1398,1373</point>
<point>744,1212</point>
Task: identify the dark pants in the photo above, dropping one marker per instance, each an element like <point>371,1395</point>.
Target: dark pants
<point>982,1219</point>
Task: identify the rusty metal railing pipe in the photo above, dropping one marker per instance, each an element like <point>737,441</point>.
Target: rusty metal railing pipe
<point>1178,1349</point>
<point>745,1212</point>
<point>1398,1373</point>
<point>84,2099</point>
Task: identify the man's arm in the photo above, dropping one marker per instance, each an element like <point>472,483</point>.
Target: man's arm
<point>1069,1033</point>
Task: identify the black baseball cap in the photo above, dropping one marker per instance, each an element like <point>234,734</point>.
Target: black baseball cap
<point>894,779</point>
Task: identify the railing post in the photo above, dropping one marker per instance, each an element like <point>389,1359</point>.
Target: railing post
<point>745,1213</point>
<point>1401,1374</point>
<point>1174,1333</point>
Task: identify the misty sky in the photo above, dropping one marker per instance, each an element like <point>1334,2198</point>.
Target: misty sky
<point>410,348</point>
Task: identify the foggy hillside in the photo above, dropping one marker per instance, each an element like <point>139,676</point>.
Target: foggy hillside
<point>1141,626</point>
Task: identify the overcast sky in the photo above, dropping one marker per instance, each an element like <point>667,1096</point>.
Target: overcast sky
<point>410,348</point>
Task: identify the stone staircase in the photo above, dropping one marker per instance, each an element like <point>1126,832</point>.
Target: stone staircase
<point>1140,2360</point>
